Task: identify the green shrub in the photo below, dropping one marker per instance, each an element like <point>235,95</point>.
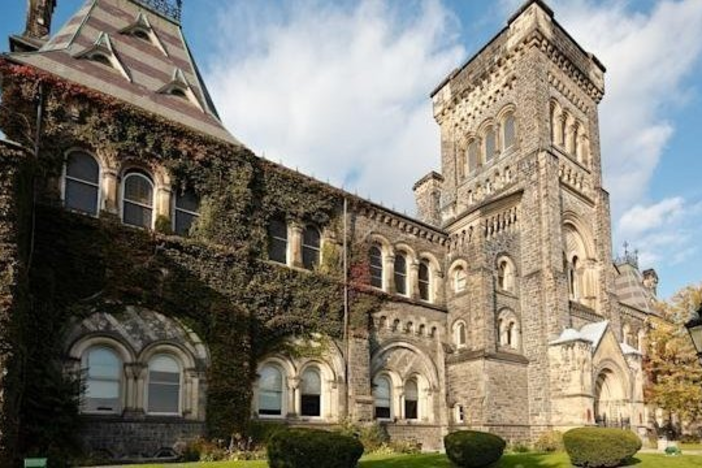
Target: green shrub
<point>374,437</point>
<point>304,448</point>
<point>201,450</point>
<point>549,441</point>
<point>689,439</point>
<point>595,447</point>
<point>472,449</point>
<point>519,447</point>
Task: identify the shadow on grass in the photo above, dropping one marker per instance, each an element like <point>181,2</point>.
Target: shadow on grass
<point>522,460</point>
<point>632,461</point>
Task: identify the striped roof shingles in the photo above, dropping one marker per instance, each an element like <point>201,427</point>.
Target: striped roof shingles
<point>149,68</point>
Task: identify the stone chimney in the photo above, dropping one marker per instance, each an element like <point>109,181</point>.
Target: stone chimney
<point>39,14</point>
<point>427,193</point>
<point>650,281</point>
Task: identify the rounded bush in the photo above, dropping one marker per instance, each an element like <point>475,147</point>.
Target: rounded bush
<point>473,449</point>
<point>305,448</point>
<point>596,447</point>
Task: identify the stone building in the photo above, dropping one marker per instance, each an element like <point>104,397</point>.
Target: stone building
<point>502,308</point>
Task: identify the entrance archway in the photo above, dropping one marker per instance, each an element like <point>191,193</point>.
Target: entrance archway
<point>610,400</point>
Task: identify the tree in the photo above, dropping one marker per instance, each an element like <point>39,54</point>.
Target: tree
<point>674,382</point>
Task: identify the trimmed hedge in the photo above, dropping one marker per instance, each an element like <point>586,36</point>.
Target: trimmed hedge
<point>596,447</point>
<point>305,448</point>
<point>473,449</point>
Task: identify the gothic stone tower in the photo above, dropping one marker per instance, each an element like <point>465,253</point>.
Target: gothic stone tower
<point>528,221</point>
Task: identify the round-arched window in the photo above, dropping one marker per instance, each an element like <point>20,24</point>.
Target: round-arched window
<point>382,395</point>
<point>424,281</point>
<point>311,393</point>
<point>270,399</point>
<point>102,393</point>
<point>164,385</point>
<point>376,266</point>
<point>138,200</point>
<point>411,399</point>
<point>401,274</point>
<point>81,189</point>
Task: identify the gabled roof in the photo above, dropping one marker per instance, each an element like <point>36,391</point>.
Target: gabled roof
<point>149,65</point>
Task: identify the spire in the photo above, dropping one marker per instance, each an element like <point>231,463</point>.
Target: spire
<point>39,14</point>
<point>170,9</point>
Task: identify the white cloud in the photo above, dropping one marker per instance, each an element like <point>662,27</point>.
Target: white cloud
<point>642,219</point>
<point>339,90</point>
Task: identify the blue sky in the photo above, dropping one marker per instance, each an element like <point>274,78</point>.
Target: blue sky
<point>340,90</point>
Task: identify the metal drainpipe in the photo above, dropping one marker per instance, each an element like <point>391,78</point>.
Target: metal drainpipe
<point>37,145</point>
<point>346,308</point>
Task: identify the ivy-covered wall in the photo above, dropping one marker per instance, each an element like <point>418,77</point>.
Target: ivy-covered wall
<point>217,281</point>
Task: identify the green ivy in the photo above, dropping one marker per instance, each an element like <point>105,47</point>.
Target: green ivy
<point>217,281</point>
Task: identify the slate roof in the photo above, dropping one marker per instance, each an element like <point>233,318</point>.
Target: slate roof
<point>145,67</point>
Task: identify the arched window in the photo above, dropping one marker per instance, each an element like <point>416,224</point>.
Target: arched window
<point>509,133</point>
<point>460,335</point>
<point>401,274</point>
<point>187,210</point>
<point>382,396</point>
<point>311,393</point>
<point>164,386</point>
<point>81,189</point>
<point>411,399</point>
<point>103,381</point>
<point>278,241</point>
<point>311,242</point>
<point>270,397</point>
<point>376,266</point>
<point>508,329</point>
<point>138,200</point>
<point>490,144</point>
<point>460,279</point>
<point>461,165</point>
<point>505,275</point>
<point>573,279</point>
<point>473,155</point>
<point>424,281</point>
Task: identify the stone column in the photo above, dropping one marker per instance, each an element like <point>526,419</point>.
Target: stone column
<point>413,280</point>
<point>134,388</point>
<point>110,191</point>
<point>293,400</point>
<point>398,403</point>
<point>163,202</point>
<point>389,274</point>
<point>295,245</point>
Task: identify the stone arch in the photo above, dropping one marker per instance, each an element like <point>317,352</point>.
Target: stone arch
<point>556,120</point>
<point>455,281</point>
<point>611,395</point>
<point>435,275</point>
<point>459,332</point>
<point>402,361</point>
<point>509,330</point>
<point>507,274</point>
<point>580,260</point>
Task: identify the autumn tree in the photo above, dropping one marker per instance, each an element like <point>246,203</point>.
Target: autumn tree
<point>674,373</point>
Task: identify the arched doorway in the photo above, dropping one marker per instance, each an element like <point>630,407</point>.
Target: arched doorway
<point>610,400</point>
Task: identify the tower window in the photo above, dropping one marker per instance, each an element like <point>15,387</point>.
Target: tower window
<point>82,183</point>
<point>473,156</point>
<point>138,200</point>
<point>510,132</point>
<point>278,241</point>
<point>311,241</point>
<point>401,274</point>
<point>490,144</point>
<point>460,279</point>
<point>187,207</point>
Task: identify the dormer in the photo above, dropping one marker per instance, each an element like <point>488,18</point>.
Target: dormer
<point>103,52</point>
<point>141,29</point>
<point>180,88</point>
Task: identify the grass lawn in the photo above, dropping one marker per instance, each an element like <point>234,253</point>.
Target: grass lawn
<point>525,460</point>
<point>690,447</point>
